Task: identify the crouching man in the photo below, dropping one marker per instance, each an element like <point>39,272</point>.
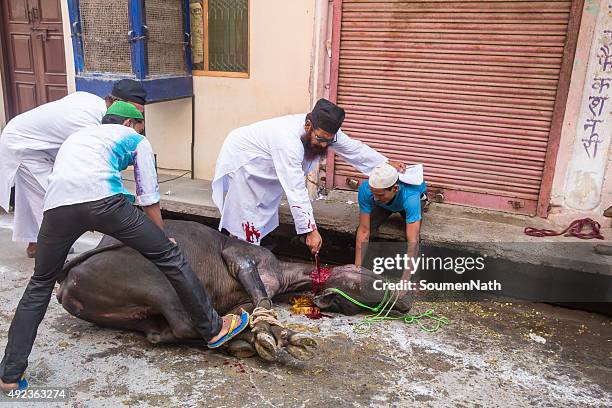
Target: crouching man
<point>382,195</point>
<point>86,193</point>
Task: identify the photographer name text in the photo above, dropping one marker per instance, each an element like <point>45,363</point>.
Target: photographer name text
<point>472,285</point>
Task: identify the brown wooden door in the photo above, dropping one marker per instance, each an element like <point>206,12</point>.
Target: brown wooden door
<point>35,62</point>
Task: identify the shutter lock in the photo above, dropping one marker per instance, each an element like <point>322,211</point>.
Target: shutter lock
<point>352,183</point>
<point>437,196</point>
<point>516,204</point>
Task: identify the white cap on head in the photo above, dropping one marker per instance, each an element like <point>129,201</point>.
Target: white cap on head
<point>383,176</point>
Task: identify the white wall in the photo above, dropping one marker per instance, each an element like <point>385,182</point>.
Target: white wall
<point>582,185</point>
<point>281,35</point>
<point>169,131</point>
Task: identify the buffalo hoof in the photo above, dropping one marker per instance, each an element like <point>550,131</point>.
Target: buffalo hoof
<point>241,349</point>
<point>265,344</point>
<point>302,346</point>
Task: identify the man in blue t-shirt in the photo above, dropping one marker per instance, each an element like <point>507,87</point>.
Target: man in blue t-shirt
<point>379,197</point>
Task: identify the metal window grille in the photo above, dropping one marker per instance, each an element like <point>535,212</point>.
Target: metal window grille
<point>165,37</point>
<point>104,33</point>
<point>228,37</point>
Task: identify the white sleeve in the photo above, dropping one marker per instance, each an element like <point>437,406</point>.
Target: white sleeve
<point>288,166</point>
<point>147,189</point>
<point>358,154</point>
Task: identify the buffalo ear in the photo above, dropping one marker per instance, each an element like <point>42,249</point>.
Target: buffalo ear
<point>329,301</point>
<point>324,300</point>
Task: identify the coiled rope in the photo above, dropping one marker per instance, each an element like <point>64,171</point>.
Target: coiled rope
<point>574,230</point>
<point>262,314</point>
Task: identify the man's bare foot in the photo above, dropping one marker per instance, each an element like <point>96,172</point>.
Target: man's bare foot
<point>4,387</point>
<point>227,320</point>
<point>31,250</point>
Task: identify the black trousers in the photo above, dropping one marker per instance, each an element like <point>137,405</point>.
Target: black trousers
<point>378,216</point>
<point>117,217</point>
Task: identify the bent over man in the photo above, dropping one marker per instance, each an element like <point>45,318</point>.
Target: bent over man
<point>86,193</point>
<point>260,161</point>
<point>29,144</point>
<point>382,195</point>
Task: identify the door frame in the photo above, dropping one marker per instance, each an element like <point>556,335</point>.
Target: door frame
<point>554,137</point>
<point>333,83</point>
<point>556,125</point>
<point>6,92</point>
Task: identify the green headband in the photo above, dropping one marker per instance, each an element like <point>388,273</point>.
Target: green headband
<point>125,110</point>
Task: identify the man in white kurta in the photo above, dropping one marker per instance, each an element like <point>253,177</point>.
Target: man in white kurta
<point>86,193</point>
<point>30,142</point>
<point>259,162</point>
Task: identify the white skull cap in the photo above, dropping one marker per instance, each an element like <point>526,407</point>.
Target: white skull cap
<point>383,176</point>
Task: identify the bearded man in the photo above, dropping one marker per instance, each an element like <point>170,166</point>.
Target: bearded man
<point>259,162</point>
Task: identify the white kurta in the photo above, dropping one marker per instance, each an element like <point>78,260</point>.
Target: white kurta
<point>89,164</point>
<point>260,161</point>
<point>28,146</point>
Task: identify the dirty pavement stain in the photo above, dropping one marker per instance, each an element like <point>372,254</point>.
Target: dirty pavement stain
<point>487,357</point>
<point>585,194</point>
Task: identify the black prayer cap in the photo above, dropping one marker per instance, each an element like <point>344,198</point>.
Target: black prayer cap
<point>129,91</point>
<point>327,116</point>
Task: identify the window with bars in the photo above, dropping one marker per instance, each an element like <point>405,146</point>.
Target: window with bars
<point>220,37</point>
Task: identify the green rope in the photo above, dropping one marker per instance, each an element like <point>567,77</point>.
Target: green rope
<point>358,303</point>
<point>384,308</point>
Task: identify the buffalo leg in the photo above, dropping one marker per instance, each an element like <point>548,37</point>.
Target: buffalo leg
<point>268,339</point>
<point>241,264</point>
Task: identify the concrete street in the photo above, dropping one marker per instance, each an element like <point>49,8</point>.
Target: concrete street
<point>504,353</point>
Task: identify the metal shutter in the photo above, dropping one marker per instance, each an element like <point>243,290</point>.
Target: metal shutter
<point>466,87</point>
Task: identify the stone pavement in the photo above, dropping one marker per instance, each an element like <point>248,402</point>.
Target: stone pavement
<point>503,353</point>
